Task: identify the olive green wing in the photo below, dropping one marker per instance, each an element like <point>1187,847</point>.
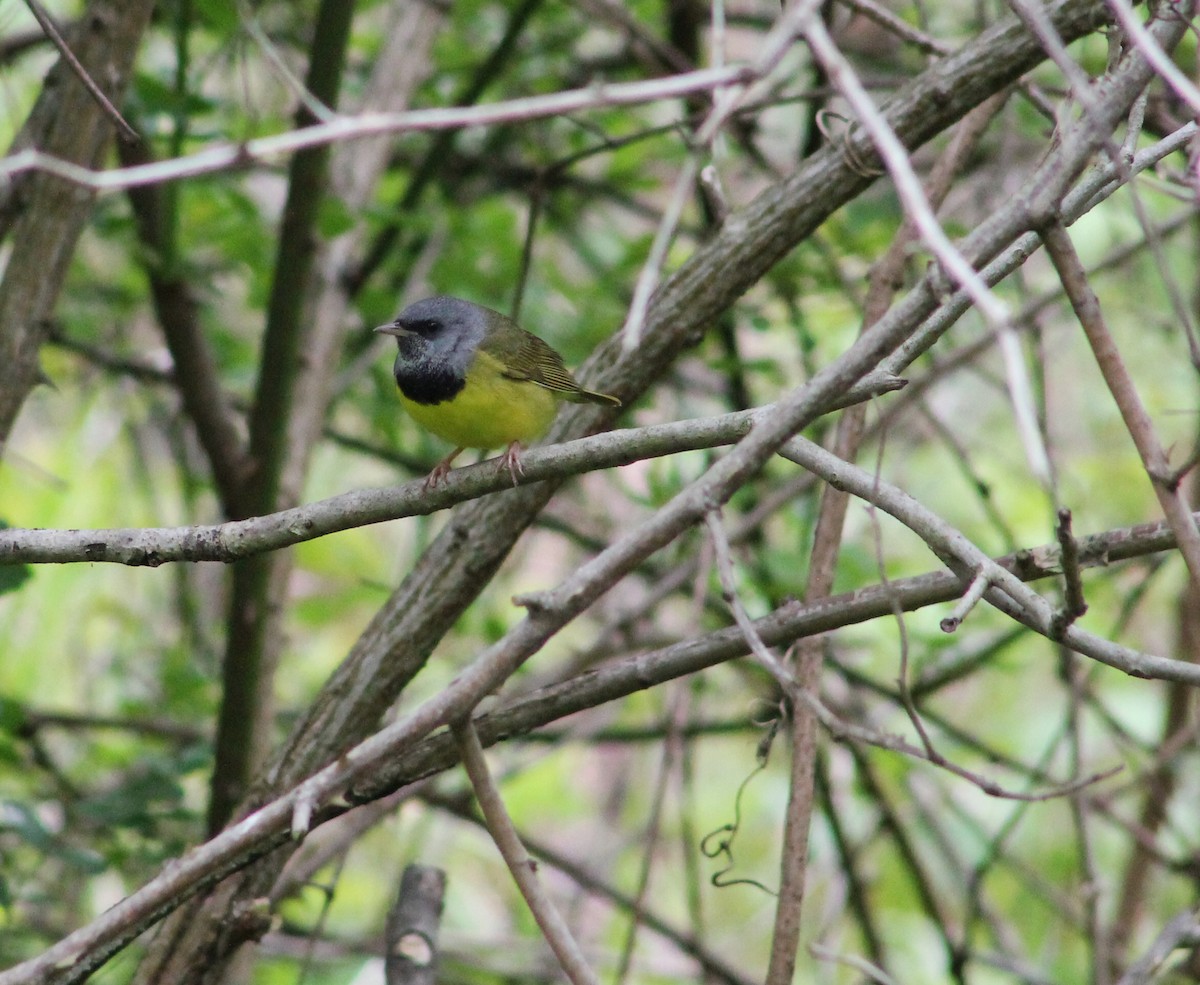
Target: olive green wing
<point>526,357</point>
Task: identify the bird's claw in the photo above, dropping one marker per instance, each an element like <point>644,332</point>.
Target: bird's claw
<point>512,459</point>
<point>438,473</point>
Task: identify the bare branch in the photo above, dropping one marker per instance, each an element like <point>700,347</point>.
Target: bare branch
<point>754,643</point>
<point>1120,384</point>
<point>1152,50</point>
<point>523,868</point>
<point>70,127</point>
<point>979,584</point>
<point>243,538</point>
<point>908,186</point>
<point>224,157</point>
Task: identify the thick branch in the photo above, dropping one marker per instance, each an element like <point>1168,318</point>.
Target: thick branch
<point>50,214</point>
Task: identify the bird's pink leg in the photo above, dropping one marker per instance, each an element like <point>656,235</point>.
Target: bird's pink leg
<point>441,470</point>
<point>512,458</point>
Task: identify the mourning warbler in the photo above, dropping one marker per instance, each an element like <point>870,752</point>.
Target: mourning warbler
<point>475,378</point>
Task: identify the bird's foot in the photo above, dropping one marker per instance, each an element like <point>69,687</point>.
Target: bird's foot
<point>512,459</point>
<point>439,472</point>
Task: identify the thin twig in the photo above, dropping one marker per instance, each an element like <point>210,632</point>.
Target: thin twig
<point>720,542</point>
<point>918,210</point>
<point>1075,605</point>
<point>1007,593</point>
<point>1094,188</point>
<point>1153,52</point>
<point>270,50</point>
<point>979,585</point>
<point>908,186</point>
<point>847,731</point>
<point>52,32</point>
<point>1138,423</point>
<point>713,965</point>
<point>648,842</point>
<point>774,47</point>
<point>808,653</point>
<point>859,964</point>
<point>1182,930</point>
<point>648,277</point>
<point>1033,16</point>
<point>896,25</point>
<point>522,867</point>
<point>1092,882</point>
<point>372,124</point>
<point>893,24</point>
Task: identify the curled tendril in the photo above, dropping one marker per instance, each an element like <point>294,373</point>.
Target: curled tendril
<point>718,843</point>
<point>853,155</point>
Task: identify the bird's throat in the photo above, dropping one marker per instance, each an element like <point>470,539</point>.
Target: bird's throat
<point>425,384</point>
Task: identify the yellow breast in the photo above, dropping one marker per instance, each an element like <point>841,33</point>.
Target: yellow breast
<point>491,411</point>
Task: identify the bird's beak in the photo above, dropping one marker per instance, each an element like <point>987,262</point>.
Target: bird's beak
<point>392,328</point>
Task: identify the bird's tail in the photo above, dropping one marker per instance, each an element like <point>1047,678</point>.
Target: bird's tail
<point>582,396</point>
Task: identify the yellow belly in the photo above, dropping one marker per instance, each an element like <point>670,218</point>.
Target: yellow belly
<point>490,411</point>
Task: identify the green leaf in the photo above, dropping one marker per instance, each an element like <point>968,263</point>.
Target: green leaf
<point>334,218</point>
<point>12,714</point>
<point>21,820</point>
<point>136,802</point>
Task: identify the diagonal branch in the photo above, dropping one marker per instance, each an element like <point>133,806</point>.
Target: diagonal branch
<point>809,652</point>
<point>1166,483</point>
<point>523,868</point>
<point>46,22</point>
<point>46,218</point>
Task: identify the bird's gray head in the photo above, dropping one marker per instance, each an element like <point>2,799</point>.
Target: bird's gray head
<point>437,339</point>
<point>442,330</point>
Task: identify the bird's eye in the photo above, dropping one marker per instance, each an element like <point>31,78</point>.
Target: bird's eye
<point>425,327</point>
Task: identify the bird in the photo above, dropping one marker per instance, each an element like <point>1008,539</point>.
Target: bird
<point>476,379</point>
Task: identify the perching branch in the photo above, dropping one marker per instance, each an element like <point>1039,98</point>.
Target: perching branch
<point>244,538</point>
